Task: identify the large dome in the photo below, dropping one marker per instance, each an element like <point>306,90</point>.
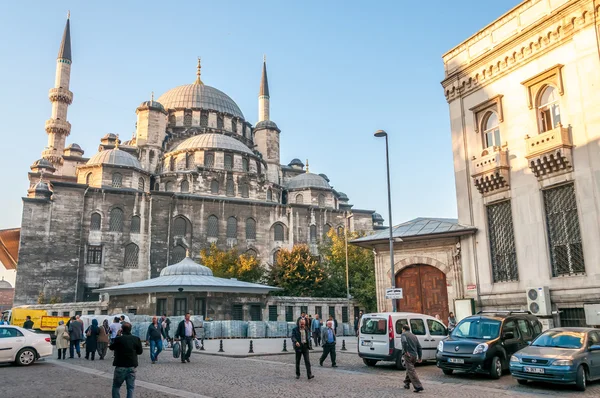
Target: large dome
<point>187,266</point>
<point>199,96</point>
<point>114,157</point>
<point>308,180</point>
<point>213,141</point>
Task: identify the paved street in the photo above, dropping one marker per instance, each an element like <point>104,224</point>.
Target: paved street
<point>265,376</point>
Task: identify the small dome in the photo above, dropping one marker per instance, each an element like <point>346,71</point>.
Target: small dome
<point>187,266</point>
<point>266,124</point>
<point>377,217</point>
<point>213,141</point>
<point>296,162</point>
<point>40,190</point>
<point>324,177</point>
<point>42,164</point>
<point>307,180</point>
<point>110,136</point>
<point>5,284</point>
<point>152,105</point>
<point>114,157</point>
<point>130,142</point>
<point>342,196</point>
<point>74,147</point>
<point>195,96</point>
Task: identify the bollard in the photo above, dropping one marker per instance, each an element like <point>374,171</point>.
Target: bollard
<point>221,346</point>
<point>202,344</point>
<point>343,345</point>
<point>284,346</point>
<point>251,350</point>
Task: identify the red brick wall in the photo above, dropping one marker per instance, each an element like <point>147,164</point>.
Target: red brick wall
<point>6,299</point>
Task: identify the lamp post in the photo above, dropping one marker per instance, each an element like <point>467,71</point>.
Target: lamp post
<point>346,228</point>
<point>381,133</point>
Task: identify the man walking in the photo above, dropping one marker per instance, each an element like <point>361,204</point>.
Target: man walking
<point>75,335</point>
<point>154,339</point>
<point>28,323</point>
<point>328,344</point>
<point>315,328</point>
<point>127,348</point>
<point>114,327</point>
<point>166,327</point>
<point>300,338</point>
<point>357,322</point>
<point>186,333</point>
<point>411,350</point>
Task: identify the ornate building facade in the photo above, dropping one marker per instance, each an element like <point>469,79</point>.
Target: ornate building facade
<point>196,172</point>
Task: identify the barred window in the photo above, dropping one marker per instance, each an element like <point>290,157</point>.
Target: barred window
<point>299,199</point>
<point>251,253</point>
<point>212,227</point>
<point>185,186</point>
<point>214,187</point>
<point>234,125</point>
<point>117,180</point>
<point>135,224</point>
<point>169,186</point>
<point>172,163</point>
<point>244,189</point>
<point>228,161</point>
<point>278,232</point>
<point>178,254</point>
<point>232,227</point>
<point>88,178</point>
<point>326,229</point>
<point>141,184</point>
<point>245,164</point>
<point>172,120</point>
<point>179,226</point>
<point>502,242</point>
<point>269,195</point>
<point>187,118</point>
<point>564,235</point>
<point>116,220</point>
<point>229,188</point>
<point>220,123</point>
<point>313,234</point>
<point>131,255</point>
<point>203,118</point>
<point>209,159</point>
<point>94,254</point>
<point>95,222</point>
<point>250,228</point>
<point>321,200</point>
<point>340,231</point>
<point>273,313</point>
<point>189,161</point>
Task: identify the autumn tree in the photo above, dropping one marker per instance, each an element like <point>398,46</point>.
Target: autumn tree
<point>231,264</point>
<point>297,272</point>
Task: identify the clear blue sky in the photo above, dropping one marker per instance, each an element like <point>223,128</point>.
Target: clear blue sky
<point>338,71</point>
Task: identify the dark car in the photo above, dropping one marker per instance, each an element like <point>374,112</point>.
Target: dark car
<point>560,355</point>
<point>484,343</point>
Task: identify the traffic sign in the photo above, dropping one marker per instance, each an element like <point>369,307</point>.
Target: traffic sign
<point>393,293</point>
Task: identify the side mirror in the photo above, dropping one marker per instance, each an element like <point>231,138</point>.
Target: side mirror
<point>509,335</point>
<point>595,347</point>
<point>529,343</point>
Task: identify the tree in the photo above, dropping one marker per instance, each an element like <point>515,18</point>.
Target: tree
<point>230,264</point>
<point>297,272</point>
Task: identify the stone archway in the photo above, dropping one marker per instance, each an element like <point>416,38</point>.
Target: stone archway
<point>424,289</point>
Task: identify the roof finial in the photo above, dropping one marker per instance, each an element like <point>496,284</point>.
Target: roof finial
<point>198,80</point>
<point>307,165</point>
<point>117,142</point>
<point>69,14</point>
<point>264,57</point>
<point>152,96</point>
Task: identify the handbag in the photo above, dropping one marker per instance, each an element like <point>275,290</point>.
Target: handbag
<point>88,333</point>
<point>65,335</point>
<point>176,349</point>
<point>197,343</point>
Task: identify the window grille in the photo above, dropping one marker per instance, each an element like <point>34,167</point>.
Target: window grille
<point>131,255</point>
<point>237,312</point>
<point>212,227</point>
<point>345,315</point>
<point>169,186</point>
<point>289,313</point>
<point>187,119</point>
<point>319,311</point>
<point>244,189</point>
<point>229,188</point>
<point>564,235</point>
<point>299,199</point>
<point>234,125</point>
<point>251,253</point>
<point>245,164</point>
<point>180,307</point>
<point>88,178</point>
<point>172,163</point>
<point>332,312</point>
<point>278,232</point>
<point>502,242</point>
<point>326,229</point>
<point>117,180</point>
<point>232,227</point>
<point>275,256</point>
<point>313,234</point>
<point>255,312</point>
<point>214,187</point>
<point>94,255</point>
<point>95,222</point>
<point>161,306</point>
<point>179,226</point>
<point>340,231</point>
<point>321,200</point>
<point>220,122</point>
<point>189,161</point>
<point>141,184</point>
<point>203,118</point>
<point>178,254</point>
<point>572,317</point>
<point>228,161</point>
<point>172,120</point>
<point>304,309</point>
<point>116,220</point>
<point>135,224</point>
<point>269,195</point>
<point>209,159</point>
<point>250,228</point>
<point>185,186</point>
<point>273,313</point>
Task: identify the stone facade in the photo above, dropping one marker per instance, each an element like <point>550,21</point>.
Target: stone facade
<point>6,298</point>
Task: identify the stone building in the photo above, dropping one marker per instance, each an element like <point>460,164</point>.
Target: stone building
<point>196,172</point>
<point>7,293</point>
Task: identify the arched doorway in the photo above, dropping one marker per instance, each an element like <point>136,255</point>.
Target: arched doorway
<point>424,290</point>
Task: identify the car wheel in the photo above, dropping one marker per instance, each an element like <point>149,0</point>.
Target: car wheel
<point>496,368</point>
<point>522,382</point>
<point>448,372</point>
<point>400,362</point>
<point>581,380</point>
<point>369,362</point>
<point>25,357</point>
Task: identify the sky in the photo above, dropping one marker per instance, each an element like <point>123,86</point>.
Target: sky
<point>338,71</point>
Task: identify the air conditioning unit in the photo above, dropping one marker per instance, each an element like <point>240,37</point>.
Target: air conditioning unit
<point>538,301</point>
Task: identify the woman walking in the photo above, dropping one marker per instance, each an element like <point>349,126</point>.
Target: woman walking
<point>103,333</point>
<point>62,339</point>
<point>91,339</point>
<point>154,337</point>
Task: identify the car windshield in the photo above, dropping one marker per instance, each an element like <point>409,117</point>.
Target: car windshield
<point>560,339</point>
<point>373,326</point>
<point>483,329</point>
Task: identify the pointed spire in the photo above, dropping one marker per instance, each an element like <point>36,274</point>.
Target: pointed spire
<point>264,83</point>
<point>152,96</point>
<point>65,44</point>
<point>198,80</point>
<point>307,166</point>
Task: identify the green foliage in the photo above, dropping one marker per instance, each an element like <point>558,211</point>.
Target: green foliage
<point>230,264</point>
<point>297,272</point>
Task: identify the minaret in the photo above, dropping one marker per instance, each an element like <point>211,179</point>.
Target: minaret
<point>263,94</point>
<point>57,127</point>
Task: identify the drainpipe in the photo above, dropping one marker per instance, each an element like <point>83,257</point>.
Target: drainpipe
<point>80,242</point>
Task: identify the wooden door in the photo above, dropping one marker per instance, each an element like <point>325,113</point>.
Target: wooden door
<point>424,290</point>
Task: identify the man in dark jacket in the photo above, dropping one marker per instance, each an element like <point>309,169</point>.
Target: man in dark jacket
<point>75,336</point>
<point>328,338</point>
<point>127,348</point>
<point>186,333</point>
<point>28,323</point>
<point>300,339</point>
<point>411,350</point>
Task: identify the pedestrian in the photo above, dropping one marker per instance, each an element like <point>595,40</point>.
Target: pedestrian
<point>186,333</point>
<point>411,350</point>
<point>91,340</point>
<point>62,339</point>
<point>451,322</point>
<point>328,344</point>
<point>357,322</point>
<point>315,328</point>
<point>300,338</point>
<point>127,348</point>
<point>332,319</point>
<point>154,337</point>
<point>115,327</point>
<point>76,335</point>
<point>28,324</point>
<point>103,337</point>
<point>122,319</point>
<point>166,326</point>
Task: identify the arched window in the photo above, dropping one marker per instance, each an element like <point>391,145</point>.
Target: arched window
<point>232,227</point>
<point>187,118</point>
<point>326,229</point>
<point>220,122</point>
<point>234,125</point>
<point>251,253</point>
<point>313,234</point>
<point>117,180</point>
<point>278,233</point>
<point>244,189</point>
<point>245,164</point>
<point>228,161</point>
<point>131,255</point>
<point>185,186</point>
<point>88,178</point>
<point>135,224</point>
<point>95,222</point>
<point>151,157</point>
<point>269,195</point>
<point>321,200</point>
<point>214,187</point>
<point>141,184</point>
<point>229,188</point>
<point>250,228</point>
<point>548,109</point>
<point>189,161</point>
<point>275,256</point>
<point>157,186</point>
<point>212,227</point>
<point>178,254</point>
<point>203,118</point>
<point>179,226</point>
<point>209,159</point>
<point>116,220</point>
<point>340,231</point>
<point>491,130</point>
<point>299,199</point>
<point>172,163</point>
<point>169,186</point>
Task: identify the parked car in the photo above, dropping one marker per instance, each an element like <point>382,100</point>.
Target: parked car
<point>379,336</point>
<point>560,355</point>
<point>484,343</point>
<point>21,346</point>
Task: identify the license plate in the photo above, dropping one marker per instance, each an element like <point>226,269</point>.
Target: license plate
<point>456,360</point>
<point>367,343</point>
<point>533,370</point>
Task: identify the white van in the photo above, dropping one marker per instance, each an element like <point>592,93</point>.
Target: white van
<point>379,336</point>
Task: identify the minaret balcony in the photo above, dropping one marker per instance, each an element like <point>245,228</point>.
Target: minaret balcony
<point>491,170</point>
<point>58,126</point>
<point>60,94</point>
<point>550,153</point>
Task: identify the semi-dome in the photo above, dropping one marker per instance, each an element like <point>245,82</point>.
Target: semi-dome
<point>213,141</point>
<point>114,157</point>
<point>187,266</point>
<point>307,180</point>
<point>197,96</point>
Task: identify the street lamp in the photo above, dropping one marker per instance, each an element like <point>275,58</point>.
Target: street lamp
<point>379,134</point>
<point>346,228</point>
